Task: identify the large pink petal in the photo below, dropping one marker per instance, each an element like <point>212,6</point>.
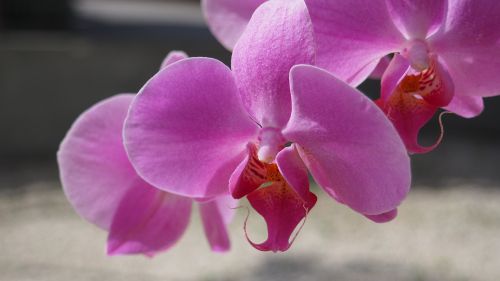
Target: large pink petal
<point>278,36</point>
<point>215,215</point>
<point>148,221</point>
<point>283,209</point>
<point>469,44</point>
<point>466,106</point>
<point>186,130</point>
<point>94,168</point>
<point>227,19</point>
<point>417,19</point>
<point>352,36</point>
<point>347,143</point>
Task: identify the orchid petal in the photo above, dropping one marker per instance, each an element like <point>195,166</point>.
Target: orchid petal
<point>347,143</point>
<point>173,56</point>
<point>352,36</point>
<point>293,170</point>
<point>186,130</point>
<point>103,187</point>
<point>469,44</point>
<point>385,217</point>
<point>282,209</point>
<point>466,106</point>
<point>215,215</point>
<point>94,168</point>
<point>417,19</point>
<point>278,36</point>
<point>227,19</point>
<point>148,221</point>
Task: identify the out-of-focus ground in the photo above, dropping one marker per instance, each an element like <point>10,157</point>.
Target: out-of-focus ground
<point>446,234</point>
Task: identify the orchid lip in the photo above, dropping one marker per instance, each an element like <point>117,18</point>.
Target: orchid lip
<point>417,96</point>
<point>278,191</point>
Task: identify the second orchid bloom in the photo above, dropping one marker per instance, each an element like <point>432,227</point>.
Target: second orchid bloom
<point>200,129</point>
<point>445,53</point>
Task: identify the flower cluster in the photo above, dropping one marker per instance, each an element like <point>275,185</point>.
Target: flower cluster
<point>201,132</point>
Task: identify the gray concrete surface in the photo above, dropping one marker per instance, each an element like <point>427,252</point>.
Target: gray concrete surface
<point>448,234</point>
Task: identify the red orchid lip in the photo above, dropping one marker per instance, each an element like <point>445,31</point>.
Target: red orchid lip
<point>282,206</point>
<point>411,100</point>
<point>283,210</point>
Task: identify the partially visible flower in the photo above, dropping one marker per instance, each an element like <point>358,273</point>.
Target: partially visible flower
<point>197,126</point>
<point>446,54</point>
<point>104,188</point>
<point>227,19</point>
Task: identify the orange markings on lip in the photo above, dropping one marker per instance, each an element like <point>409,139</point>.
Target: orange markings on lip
<point>263,171</point>
<point>273,173</point>
<point>411,83</point>
<point>416,98</point>
<point>424,84</point>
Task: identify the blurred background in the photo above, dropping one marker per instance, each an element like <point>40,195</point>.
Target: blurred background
<point>58,57</point>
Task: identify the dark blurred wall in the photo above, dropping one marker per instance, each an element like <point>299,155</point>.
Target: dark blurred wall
<point>35,14</point>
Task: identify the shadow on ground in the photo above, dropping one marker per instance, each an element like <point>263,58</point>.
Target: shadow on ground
<point>311,268</point>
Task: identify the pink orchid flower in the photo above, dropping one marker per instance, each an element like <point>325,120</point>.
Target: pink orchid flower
<point>198,128</point>
<point>104,188</point>
<point>446,54</point>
